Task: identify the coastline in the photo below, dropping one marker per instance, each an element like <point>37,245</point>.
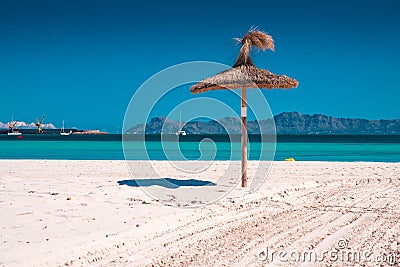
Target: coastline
<point>74,213</point>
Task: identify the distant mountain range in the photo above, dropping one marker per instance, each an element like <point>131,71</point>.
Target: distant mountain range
<point>285,123</point>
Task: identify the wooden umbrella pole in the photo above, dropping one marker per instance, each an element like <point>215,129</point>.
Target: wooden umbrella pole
<point>244,138</point>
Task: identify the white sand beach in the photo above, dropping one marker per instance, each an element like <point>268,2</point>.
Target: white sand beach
<point>75,213</point>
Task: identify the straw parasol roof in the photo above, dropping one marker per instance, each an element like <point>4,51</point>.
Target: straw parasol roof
<point>244,74</point>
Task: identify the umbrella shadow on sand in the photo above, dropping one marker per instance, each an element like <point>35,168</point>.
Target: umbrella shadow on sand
<point>165,182</point>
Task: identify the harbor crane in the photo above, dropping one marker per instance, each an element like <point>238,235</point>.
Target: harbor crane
<point>11,126</point>
<point>39,124</point>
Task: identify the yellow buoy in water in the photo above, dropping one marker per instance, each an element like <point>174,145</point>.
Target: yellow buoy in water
<point>290,159</point>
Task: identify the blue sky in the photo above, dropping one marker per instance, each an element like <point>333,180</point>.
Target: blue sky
<point>83,60</point>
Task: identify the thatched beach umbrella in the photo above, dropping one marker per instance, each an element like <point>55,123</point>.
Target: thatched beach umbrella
<point>245,75</point>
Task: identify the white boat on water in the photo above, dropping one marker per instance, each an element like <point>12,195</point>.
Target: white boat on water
<point>14,133</point>
<point>63,131</point>
<point>180,130</point>
<point>11,127</point>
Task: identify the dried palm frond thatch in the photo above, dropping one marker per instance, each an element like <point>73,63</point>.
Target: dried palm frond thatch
<point>254,38</point>
<point>244,74</point>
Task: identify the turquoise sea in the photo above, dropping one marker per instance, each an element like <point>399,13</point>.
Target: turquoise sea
<point>319,148</point>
